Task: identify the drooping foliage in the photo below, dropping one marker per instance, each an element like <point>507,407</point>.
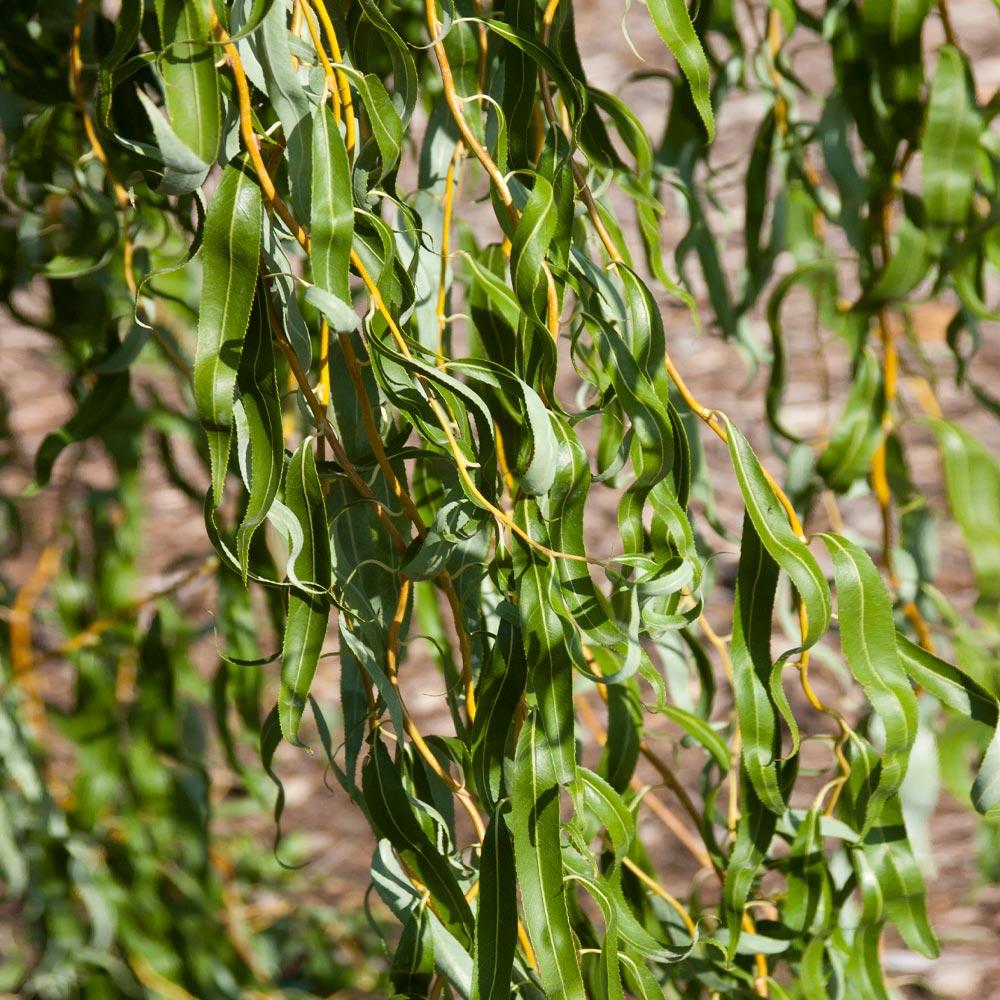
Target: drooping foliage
<point>403,276</point>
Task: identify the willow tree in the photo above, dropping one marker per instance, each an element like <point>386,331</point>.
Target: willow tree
<point>406,268</point>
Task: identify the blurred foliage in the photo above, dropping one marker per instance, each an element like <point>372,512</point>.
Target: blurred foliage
<point>251,231</point>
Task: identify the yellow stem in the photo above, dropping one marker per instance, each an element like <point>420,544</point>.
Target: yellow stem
<point>774,47</point>
<point>658,889</point>
<point>760,961</point>
<point>392,673</point>
<point>879,471</point>
<point>21,654</point>
<point>317,408</point>
<point>344,85</point>
<point>461,463</point>
<point>332,83</point>
<point>324,363</point>
<point>454,103</point>
<point>448,202</point>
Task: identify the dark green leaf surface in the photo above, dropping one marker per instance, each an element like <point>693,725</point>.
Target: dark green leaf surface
<point>868,638</point>
<point>308,602</point>
<point>230,251</point>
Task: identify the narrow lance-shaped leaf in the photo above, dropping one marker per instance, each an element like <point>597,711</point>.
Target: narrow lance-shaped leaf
<point>947,682</point>
<point>972,476</point>
<point>547,649</point>
<point>231,248</point>
<point>413,963</point>
<point>864,965</point>
<point>191,83</point>
<point>753,838</point>
<point>756,581</point>
<point>332,230</point>
<point>868,638</point>
<point>537,850</point>
<point>308,611</point>
<point>528,248</point>
<point>500,687</point>
<point>963,694</point>
<point>393,816</point>
<point>673,22</point>
<point>496,916</point>
<point>290,101</point>
<point>986,787</point>
<point>894,878</point>
<point>807,878</point>
<point>950,142</point>
<point>905,269</point>
<point>386,125</point>
<point>771,522</point>
<point>597,801</point>
<point>857,433</point>
<point>183,170</point>
<point>257,414</point>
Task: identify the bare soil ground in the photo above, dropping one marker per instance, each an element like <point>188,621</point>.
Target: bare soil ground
<point>965,911</point>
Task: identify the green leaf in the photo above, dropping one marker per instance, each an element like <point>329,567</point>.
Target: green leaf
<point>607,891</point>
<point>771,523</point>
<point>951,685</point>
<point>808,886</point>
<point>986,787</point>
<point>756,582</point>
<point>900,884</point>
<point>520,84</point>
<point>700,731</point>
<point>571,89</point>
<point>191,84</point>
<point>535,825</point>
<point>864,964</point>
<point>183,170</point>
<point>386,125</point>
<point>401,896</point>
<point>621,751</point>
<point>413,962</point>
<point>257,416</point>
<point>127,27</point>
<point>597,801</point>
<point>393,816</point>
<point>230,249</point>
<point>290,101</point>
<point>308,610</point>
<point>753,838</point>
<point>950,142</point>
<point>332,229</point>
<point>907,266</point>
<point>496,915</point>
<point>847,456</point>
<point>868,638</point>
<point>972,476</point>
<point>501,684</point>
<point>529,246</point>
<point>673,22</point>
<point>404,71</point>
<point>894,30</point>
<point>548,647</point>
<point>537,474</point>
<point>341,316</point>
